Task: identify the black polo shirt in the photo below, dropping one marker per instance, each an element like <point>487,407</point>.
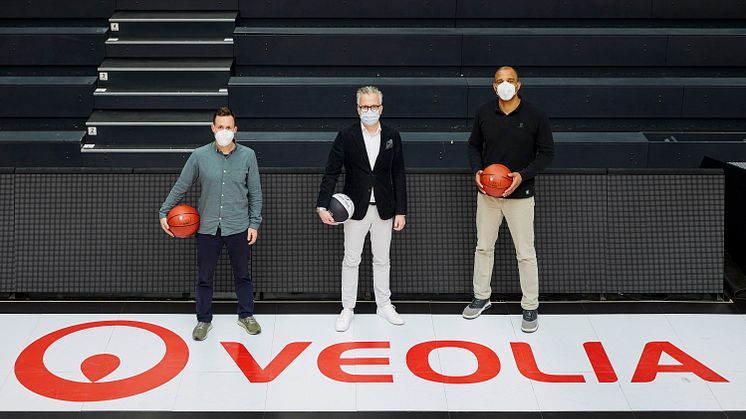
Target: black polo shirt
<point>522,141</point>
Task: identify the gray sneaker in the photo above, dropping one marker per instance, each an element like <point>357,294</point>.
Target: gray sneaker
<point>251,325</point>
<point>530,321</point>
<point>200,330</point>
<point>475,308</point>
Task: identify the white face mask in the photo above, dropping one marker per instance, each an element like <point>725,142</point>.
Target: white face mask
<point>224,137</point>
<point>506,90</point>
<point>370,117</point>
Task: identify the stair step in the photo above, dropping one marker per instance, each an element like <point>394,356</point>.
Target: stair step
<point>165,73</point>
<point>172,24</point>
<point>142,127</point>
<point>169,48</point>
<point>160,99</point>
<point>50,148</point>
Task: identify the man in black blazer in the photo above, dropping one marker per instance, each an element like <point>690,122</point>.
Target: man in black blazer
<point>371,155</point>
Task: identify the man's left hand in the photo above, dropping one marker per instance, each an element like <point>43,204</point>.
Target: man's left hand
<point>252,236</point>
<point>399,222</point>
<point>517,179</point>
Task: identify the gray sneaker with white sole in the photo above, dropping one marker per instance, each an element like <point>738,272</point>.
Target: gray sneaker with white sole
<point>475,308</point>
<point>530,321</point>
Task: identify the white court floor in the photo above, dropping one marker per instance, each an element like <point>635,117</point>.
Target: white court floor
<point>434,363</point>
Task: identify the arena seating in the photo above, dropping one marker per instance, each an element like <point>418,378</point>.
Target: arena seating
<point>665,78</point>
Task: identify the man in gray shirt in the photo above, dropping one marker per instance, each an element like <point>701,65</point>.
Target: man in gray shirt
<point>230,209</point>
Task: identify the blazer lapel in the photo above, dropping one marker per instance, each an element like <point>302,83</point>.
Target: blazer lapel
<point>360,143</point>
<point>384,138</point>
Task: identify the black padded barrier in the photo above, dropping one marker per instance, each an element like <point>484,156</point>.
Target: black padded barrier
<point>95,232</point>
<point>7,268</point>
<point>658,223</point>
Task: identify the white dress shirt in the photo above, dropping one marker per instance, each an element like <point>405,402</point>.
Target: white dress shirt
<point>372,147</point>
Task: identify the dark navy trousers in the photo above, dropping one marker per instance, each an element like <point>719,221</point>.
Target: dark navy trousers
<point>208,252</point>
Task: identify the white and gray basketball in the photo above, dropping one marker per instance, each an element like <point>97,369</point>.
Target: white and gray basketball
<point>341,207</point>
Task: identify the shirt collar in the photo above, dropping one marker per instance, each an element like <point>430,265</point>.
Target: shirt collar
<point>498,110</point>
<point>366,133</point>
<point>217,150</point>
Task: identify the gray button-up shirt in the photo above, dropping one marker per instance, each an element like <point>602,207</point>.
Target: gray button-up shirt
<point>231,196</point>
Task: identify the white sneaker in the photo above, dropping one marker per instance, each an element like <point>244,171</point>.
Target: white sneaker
<point>389,313</point>
<point>344,320</point>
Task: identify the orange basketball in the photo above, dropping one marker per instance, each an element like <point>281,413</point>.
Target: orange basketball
<point>495,179</point>
<point>183,221</point>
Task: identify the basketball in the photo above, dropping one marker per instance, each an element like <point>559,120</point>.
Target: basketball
<point>183,221</point>
<point>341,207</point>
<point>495,180</point>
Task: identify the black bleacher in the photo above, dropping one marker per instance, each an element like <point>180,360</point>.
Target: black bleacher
<point>49,51</point>
<point>55,9</point>
<point>662,80</point>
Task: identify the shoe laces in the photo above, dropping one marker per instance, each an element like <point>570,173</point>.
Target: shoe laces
<point>475,303</point>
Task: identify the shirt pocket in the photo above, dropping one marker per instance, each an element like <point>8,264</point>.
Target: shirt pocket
<point>238,177</point>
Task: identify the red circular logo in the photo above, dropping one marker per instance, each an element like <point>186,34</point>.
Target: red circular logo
<point>35,376</point>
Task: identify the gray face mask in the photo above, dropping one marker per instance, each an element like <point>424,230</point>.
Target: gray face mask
<point>370,117</point>
<point>224,137</point>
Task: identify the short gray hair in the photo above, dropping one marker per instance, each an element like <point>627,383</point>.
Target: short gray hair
<point>370,90</point>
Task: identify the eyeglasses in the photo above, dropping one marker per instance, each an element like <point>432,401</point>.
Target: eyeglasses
<point>367,108</point>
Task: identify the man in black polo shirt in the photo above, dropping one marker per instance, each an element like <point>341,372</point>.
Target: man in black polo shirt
<point>515,133</point>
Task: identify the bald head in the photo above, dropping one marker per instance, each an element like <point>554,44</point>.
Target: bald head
<point>504,73</point>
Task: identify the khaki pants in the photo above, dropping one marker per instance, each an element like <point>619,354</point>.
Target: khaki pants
<point>519,214</point>
<point>380,243</point>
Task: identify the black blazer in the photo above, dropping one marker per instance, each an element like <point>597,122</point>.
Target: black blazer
<point>387,177</point>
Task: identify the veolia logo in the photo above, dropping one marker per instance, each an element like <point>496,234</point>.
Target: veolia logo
<point>35,376</point>
<point>32,372</point>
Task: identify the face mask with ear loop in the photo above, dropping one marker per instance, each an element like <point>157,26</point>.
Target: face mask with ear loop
<point>224,137</point>
<point>505,91</point>
<point>370,117</point>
